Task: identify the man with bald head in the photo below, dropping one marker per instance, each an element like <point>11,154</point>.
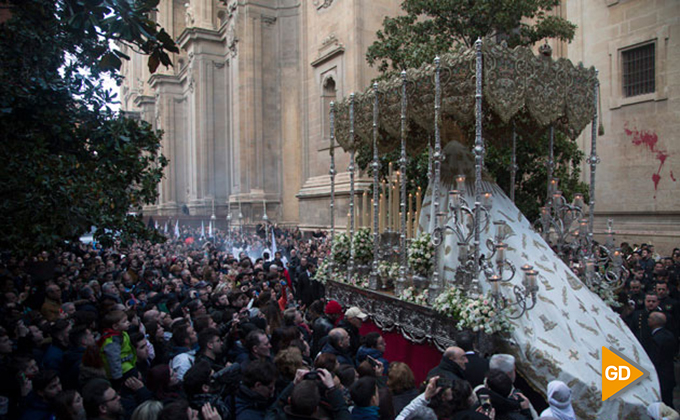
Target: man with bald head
<point>452,365</point>
<point>662,352</point>
<point>338,344</point>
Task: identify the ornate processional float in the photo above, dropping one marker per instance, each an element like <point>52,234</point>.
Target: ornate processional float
<point>462,255</point>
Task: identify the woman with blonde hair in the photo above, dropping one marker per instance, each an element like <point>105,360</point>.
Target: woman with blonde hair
<point>148,410</point>
<point>402,383</point>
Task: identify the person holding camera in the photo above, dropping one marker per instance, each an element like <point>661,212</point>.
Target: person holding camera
<point>497,392</point>
<point>453,400</point>
<point>312,395</point>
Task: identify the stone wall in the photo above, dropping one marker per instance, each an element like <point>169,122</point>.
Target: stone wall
<point>640,151</point>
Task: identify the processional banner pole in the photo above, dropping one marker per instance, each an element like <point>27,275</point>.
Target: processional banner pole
<point>479,160</point>
<point>373,279</point>
<point>434,288</point>
<point>593,160</point>
<point>351,221</point>
<point>402,168</point>
<point>332,174</point>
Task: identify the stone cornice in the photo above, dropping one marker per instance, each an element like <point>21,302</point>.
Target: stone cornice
<point>144,99</point>
<point>199,34</point>
<point>157,79</point>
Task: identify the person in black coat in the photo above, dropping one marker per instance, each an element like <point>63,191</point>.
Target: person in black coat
<point>508,405</point>
<point>664,347</point>
<point>477,365</point>
<point>306,290</point>
<point>452,365</point>
<point>46,388</point>
<point>637,321</point>
<point>256,393</point>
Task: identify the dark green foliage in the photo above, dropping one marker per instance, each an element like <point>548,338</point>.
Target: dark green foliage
<point>532,175</point>
<point>68,162</point>
<point>434,27</point>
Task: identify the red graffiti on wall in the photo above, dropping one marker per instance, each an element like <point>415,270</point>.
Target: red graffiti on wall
<point>650,140</point>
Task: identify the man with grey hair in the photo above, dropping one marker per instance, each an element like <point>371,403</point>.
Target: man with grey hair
<point>109,290</point>
<point>506,363</point>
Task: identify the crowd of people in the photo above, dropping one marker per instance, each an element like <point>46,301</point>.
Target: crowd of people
<point>650,304</point>
<point>233,327</point>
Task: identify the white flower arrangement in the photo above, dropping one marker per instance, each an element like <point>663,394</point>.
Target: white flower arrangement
<point>341,249</point>
<point>476,314</point>
<point>420,255</point>
<point>359,281</point>
<point>323,274</point>
<point>411,294</point>
<point>605,293</point>
<point>362,242</point>
<point>388,270</point>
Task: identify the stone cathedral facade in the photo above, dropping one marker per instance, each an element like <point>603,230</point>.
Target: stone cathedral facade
<point>245,107</point>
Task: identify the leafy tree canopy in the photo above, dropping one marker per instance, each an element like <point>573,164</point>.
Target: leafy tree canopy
<point>432,27</point>
<point>68,162</point>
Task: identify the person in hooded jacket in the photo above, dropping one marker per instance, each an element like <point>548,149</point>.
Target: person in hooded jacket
<point>559,398</point>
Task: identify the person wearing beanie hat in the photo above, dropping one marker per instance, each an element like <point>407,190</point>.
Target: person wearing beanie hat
<point>323,324</point>
<point>333,308</point>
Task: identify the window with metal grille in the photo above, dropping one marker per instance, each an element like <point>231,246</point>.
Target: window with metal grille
<point>638,70</point>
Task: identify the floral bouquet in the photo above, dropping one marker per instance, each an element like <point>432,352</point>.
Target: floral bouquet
<point>388,270</point>
<point>363,246</point>
<point>411,294</point>
<point>478,314</point>
<point>450,302</point>
<point>481,315</point>
<point>359,281</point>
<point>341,249</point>
<point>323,273</point>
<point>420,255</point>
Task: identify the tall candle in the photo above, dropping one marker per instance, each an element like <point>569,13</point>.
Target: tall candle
<point>389,170</point>
<point>409,225</point>
<point>388,214</point>
<point>381,214</point>
<point>395,207</point>
<point>419,204</point>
